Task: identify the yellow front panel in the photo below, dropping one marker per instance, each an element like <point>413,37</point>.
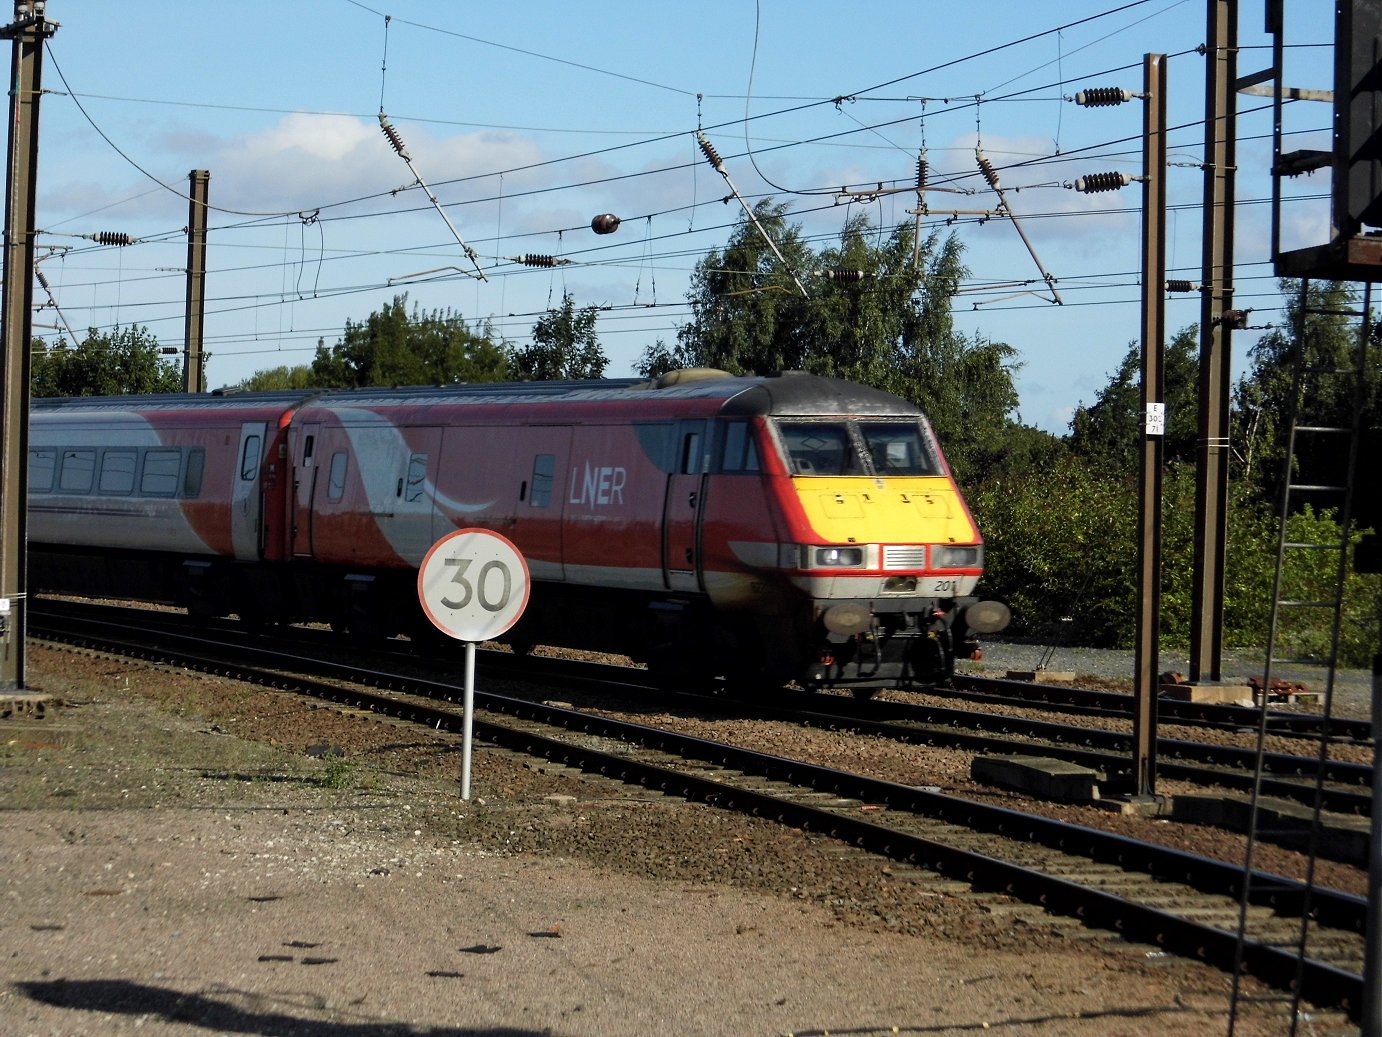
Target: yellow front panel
<point>869,510</point>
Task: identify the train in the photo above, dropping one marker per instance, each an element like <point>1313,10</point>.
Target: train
<point>743,531</point>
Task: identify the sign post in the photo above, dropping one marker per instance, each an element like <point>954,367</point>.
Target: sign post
<point>473,585</point>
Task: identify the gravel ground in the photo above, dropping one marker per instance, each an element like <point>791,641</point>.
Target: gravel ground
<point>185,854</point>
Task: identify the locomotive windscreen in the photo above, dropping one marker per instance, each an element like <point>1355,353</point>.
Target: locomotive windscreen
<point>857,448</point>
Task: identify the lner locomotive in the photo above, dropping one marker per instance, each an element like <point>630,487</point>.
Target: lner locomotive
<point>748,530</point>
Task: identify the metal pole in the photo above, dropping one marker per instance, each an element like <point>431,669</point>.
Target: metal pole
<point>193,375</point>
<point>468,727</point>
<point>1215,381</point>
<point>28,31</point>
<point>1154,423</point>
<point>1371,1020</point>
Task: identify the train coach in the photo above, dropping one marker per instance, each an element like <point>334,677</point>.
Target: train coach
<point>751,530</point>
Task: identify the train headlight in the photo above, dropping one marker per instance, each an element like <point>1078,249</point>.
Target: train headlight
<point>837,557</point>
<point>948,556</point>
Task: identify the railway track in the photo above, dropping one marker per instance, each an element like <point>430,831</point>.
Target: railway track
<point>1185,904</point>
<point>1285,775</point>
<point>1094,702</point>
<point>1344,791</point>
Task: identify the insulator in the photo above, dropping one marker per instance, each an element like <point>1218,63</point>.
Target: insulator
<point>923,167</point>
<point>1234,319</point>
<point>1097,182</point>
<point>605,223</point>
<point>531,260</point>
<point>169,350</point>
<point>990,174</point>
<point>708,149</point>
<point>110,237</point>
<point>1177,285</point>
<point>842,275</point>
<point>42,280</point>
<point>395,141</point>
<point>1102,96</point>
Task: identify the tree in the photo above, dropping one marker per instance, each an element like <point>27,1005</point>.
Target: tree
<point>745,307</point>
<point>1109,431</point>
<point>300,377</point>
<point>882,318</point>
<point>117,363</point>
<point>1263,397</point>
<point>564,345</point>
<point>391,348</point>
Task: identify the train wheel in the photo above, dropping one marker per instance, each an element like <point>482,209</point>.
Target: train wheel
<point>863,694</point>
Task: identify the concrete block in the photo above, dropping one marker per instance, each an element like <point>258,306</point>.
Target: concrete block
<point>1041,675</point>
<point>1049,779</point>
<point>1235,694</point>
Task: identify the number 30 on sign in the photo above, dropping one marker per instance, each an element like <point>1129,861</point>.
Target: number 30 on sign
<point>473,584</point>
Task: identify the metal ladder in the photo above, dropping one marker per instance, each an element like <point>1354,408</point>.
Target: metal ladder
<point>1308,586</point>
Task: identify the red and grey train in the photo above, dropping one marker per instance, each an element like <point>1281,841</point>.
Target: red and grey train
<point>746,529</point>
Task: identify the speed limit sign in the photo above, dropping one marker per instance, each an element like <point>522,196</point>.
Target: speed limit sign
<point>473,584</point>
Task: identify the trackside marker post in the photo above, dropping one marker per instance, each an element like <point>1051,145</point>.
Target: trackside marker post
<point>473,586</point>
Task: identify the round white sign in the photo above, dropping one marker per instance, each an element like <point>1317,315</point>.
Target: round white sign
<point>473,584</point>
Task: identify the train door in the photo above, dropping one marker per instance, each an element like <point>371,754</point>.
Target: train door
<point>414,524</point>
<point>304,487</point>
<point>245,505</point>
<point>682,509</point>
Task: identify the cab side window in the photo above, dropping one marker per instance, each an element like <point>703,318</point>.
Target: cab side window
<point>740,453</point>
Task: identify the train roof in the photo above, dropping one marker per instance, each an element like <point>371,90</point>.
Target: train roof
<point>784,394</point>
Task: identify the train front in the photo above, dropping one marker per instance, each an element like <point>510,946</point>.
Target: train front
<point>877,537</point>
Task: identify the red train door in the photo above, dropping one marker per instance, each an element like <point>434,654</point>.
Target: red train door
<point>682,509</point>
<point>303,450</point>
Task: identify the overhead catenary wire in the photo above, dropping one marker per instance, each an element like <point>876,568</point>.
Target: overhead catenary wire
<point>656,257</point>
<point>396,142</point>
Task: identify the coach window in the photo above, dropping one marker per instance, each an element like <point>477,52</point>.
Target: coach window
<point>249,459</point>
<point>544,471</point>
<point>160,475</point>
<point>335,483</point>
<point>42,464</point>
<point>192,474</point>
<point>117,472</point>
<point>78,467</point>
<point>417,477</point>
<point>740,453</point>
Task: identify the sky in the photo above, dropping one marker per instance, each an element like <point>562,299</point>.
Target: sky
<point>525,120</point>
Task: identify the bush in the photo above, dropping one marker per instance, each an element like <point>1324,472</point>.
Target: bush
<point>1062,542</point>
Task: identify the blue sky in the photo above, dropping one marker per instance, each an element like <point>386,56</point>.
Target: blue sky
<point>528,119</point>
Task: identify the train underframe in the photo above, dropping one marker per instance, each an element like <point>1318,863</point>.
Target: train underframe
<point>683,639</point>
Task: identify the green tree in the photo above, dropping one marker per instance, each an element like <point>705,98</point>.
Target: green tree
<point>882,318</point>
<point>391,348</point>
<point>745,310</point>
<point>1263,396</point>
<point>116,363</point>
<point>300,377</point>
<point>1109,430</point>
<point>564,345</point>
